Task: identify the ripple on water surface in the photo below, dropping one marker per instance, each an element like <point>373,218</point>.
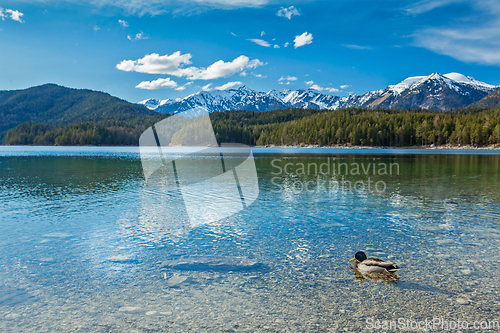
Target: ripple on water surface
<point>86,243</point>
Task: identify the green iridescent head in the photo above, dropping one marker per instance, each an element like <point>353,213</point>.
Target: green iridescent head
<point>359,256</point>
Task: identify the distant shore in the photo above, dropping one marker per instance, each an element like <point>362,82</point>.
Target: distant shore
<point>440,147</point>
<point>430,147</point>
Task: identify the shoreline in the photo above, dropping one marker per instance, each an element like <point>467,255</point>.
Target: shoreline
<point>429,147</point>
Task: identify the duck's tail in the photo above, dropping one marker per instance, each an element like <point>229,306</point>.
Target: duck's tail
<point>392,268</point>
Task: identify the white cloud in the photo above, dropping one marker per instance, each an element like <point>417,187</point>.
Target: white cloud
<point>317,87</point>
<point>228,85</point>
<point>344,86</point>
<point>156,64</point>
<point>141,35</point>
<point>96,28</point>
<point>276,46</point>
<point>475,38</point>
<point>428,5</point>
<point>235,35</point>
<point>262,33</point>
<point>173,65</point>
<point>156,7</point>
<point>157,84</point>
<point>357,47</point>
<point>243,73</point>
<point>458,44</point>
<point>207,87</point>
<point>286,44</point>
<point>181,88</point>
<point>260,42</point>
<point>304,39</point>
<point>13,14</point>
<point>123,23</point>
<point>287,78</point>
<point>259,76</point>
<point>288,12</point>
<point>221,69</point>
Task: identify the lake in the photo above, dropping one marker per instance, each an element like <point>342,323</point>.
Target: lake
<point>84,242</point>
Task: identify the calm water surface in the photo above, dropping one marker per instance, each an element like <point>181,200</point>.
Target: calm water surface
<point>83,241</point>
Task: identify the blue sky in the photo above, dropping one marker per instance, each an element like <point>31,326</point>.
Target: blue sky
<point>137,49</point>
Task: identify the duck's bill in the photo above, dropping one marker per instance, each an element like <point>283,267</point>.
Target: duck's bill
<point>352,259</point>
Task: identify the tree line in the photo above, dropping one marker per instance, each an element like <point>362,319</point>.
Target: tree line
<point>353,126</point>
<point>95,133</point>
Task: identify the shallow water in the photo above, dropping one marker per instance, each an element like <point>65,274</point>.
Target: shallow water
<point>83,242</point>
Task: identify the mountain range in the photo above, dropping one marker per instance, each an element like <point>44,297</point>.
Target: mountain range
<point>433,92</point>
<point>56,105</point>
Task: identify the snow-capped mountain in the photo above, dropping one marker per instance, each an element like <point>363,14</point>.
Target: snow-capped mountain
<point>242,98</point>
<point>154,104</point>
<point>435,92</point>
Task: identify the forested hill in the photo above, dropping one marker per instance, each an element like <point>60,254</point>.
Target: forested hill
<point>356,126</point>
<point>291,127</point>
<point>57,105</point>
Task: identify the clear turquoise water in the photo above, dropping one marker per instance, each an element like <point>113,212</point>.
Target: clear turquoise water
<point>82,244</point>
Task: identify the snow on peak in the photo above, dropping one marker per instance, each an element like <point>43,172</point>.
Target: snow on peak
<point>245,88</point>
<point>452,80</point>
<point>405,84</point>
<point>150,103</point>
<point>149,100</point>
<point>457,77</point>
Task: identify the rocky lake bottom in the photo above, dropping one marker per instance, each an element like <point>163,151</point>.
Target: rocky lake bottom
<point>81,252</point>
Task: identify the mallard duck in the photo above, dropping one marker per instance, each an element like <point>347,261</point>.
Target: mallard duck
<point>373,265</point>
<point>389,278</point>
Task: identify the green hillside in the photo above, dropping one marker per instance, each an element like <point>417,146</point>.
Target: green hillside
<point>96,133</point>
<point>57,105</point>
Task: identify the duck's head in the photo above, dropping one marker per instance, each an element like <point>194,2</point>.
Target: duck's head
<point>359,256</point>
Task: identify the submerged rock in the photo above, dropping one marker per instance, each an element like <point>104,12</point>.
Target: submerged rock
<point>216,263</point>
<point>57,235</point>
<point>176,280</point>
<point>129,309</point>
<point>12,316</point>
<point>124,259</point>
